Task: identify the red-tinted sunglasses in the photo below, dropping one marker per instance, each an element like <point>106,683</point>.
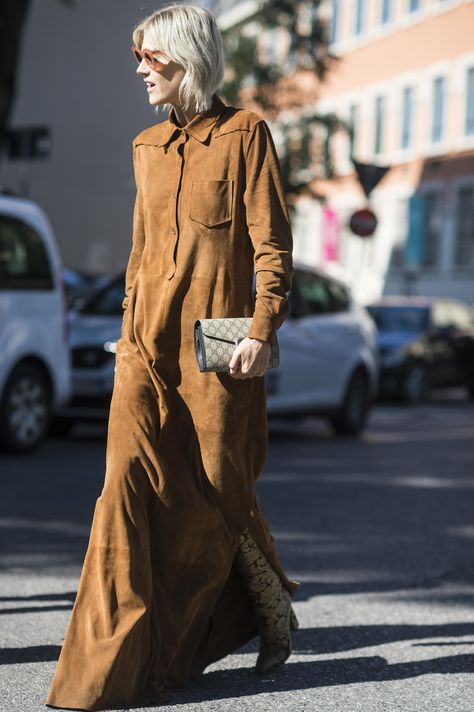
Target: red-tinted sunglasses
<point>156,63</point>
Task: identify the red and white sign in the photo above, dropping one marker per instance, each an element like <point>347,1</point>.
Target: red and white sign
<point>363,222</point>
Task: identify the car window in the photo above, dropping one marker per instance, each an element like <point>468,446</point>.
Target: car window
<point>297,306</point>
<point>314,294</point>
<point>339,296</point>
<point>410,319</point>
<point>107,301</point>
<point>24,262</point>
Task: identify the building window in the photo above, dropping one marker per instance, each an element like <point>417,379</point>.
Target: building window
<point>413,5</point>
<point>335,21</point>
<point>353,120</point>
<point>470,102</point>
<point>414,247</point>
<point>437,126</point>
<point>433,201</point>
<point>379,123</point>
<point>385,11</point>
<point>465,227</point>
<point>359,17</point>
<point>407,117</point>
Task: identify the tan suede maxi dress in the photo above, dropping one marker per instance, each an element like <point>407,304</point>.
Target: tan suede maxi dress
<point>160,596</point>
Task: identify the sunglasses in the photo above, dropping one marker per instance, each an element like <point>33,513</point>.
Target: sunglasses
<point>155,63</point>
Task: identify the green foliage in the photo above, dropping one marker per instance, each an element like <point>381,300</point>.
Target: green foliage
<point>308,50</point>
<point>241,60</point>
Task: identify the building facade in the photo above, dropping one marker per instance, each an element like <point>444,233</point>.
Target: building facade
<point>77,77</point>
<point>403,79</point>
<point>403,84</point>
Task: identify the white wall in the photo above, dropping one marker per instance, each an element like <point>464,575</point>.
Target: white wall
<point>77,75</point>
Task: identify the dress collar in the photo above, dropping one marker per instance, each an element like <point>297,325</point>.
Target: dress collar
<point>200,125</point>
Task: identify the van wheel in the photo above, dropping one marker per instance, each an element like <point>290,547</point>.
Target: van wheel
<point>25,409</point>
<point>352,416</point>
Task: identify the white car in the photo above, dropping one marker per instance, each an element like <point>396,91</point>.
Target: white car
<point>329,364</point>
<point>328,355</point>
<point>35,372</point>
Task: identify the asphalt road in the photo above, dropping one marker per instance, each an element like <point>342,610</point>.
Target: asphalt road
<point>379,531</point>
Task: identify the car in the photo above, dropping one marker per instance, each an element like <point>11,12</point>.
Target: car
<point>94,328</point>
<point>35,370</point>
<point>80,286</point>
<point>424,343</point>
<point>328,355</point>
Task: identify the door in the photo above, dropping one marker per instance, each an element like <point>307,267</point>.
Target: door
<point>313,345</point>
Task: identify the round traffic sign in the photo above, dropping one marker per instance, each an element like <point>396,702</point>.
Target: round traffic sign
<point>363,222</point>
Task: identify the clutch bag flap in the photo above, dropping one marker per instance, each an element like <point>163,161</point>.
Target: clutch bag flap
<point>215,341</point>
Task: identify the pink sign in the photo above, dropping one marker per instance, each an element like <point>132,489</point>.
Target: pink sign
<point>331,228</point>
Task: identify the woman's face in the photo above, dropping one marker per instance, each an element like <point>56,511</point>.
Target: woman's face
<point>162,85</point>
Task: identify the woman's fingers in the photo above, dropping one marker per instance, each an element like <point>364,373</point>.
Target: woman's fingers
<point>253,359</point>
<point>235,363</point>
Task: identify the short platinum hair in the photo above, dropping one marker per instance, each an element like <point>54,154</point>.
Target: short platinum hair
<point>189,35</point>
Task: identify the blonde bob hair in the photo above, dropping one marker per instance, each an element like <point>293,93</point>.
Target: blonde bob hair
<point>189,35</point>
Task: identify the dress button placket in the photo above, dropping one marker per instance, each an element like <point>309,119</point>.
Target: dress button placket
<point>174,230</point>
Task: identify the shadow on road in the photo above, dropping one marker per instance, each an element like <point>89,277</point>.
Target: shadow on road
<point>325,673</point>
<point>389,512</point>
<point>350,515</point>
<point>306,641</point>
<point>243,682</point>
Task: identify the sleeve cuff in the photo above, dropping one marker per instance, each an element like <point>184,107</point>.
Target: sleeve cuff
<point>262,327</point>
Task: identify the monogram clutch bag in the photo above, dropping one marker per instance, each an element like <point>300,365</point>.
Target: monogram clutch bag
<point>215,341</point>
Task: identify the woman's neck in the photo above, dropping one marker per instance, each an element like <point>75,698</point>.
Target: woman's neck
<point>182,117</point>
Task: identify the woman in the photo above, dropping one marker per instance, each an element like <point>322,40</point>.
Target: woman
<point>181,568</point>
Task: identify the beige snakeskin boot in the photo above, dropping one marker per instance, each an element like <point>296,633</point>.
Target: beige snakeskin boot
<point>275,615</point>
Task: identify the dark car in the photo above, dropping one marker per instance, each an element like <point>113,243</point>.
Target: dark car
<point>424,343</point>
<point>80,286</point>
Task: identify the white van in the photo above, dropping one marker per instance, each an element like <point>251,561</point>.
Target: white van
<point>35,372</point>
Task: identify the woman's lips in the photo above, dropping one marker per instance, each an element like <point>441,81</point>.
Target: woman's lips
<point>150,87</point>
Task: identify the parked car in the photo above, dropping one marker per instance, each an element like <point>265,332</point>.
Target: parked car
<point>94,328</point>
<point>424,343</point>
<point>35,373</point>
<point>328,354</point>
<point>80,286</point>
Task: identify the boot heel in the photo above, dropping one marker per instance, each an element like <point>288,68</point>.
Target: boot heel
<point>294,622</point>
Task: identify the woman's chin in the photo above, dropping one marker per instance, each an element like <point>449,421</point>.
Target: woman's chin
<point>156,100</point>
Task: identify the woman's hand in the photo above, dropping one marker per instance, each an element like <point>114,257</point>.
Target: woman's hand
<point>250,358</point>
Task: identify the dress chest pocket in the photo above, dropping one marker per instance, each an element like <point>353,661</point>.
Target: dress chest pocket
<point>211,202</point>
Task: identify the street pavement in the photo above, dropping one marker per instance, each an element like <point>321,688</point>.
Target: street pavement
<point>379,531</point>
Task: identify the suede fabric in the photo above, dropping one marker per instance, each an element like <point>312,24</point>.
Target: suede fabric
<point>160,596</point>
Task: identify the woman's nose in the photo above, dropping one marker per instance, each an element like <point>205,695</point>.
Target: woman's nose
<point>142,67</point>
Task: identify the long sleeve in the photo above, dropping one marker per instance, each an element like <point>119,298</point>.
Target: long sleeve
<point>269,228</point>
<point>138,236</point>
